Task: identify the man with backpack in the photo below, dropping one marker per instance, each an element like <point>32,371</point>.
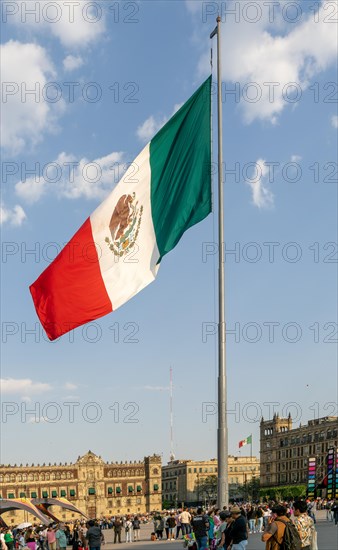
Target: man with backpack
<point>280,533</point>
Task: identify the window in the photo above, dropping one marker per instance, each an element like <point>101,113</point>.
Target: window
<point>63,493</point>
<point>155,487</point>
<point>110,490</point>
<point>54,494</point>
<point>118,490</point>
<point>44,494</point>
<point>91,491</point>
<point>72,493</point>
<point>189,470</point>
<point>33,494</point>
<point>22,495</point>
<point>11,495</point>
<point>139,488</point>
<point>130,489</point>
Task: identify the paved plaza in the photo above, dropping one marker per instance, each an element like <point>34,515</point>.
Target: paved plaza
<point>327,538</point>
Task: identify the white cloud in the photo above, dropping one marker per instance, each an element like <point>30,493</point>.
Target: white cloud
<point>23,385</point>
<point>261,195</point>
<point>296,158</point>
<point>76,24</point>
<point>26,117</point>
<point>15,217</point>
<point>70,386</point>
<point>72,62</point>
<point>334,121</point>
<point>149,128</point>
<point>67,177</point>
<point>146,131</point>
<point>259,57</point>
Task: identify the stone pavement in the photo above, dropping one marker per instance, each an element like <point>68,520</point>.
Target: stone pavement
<point>327,538</point>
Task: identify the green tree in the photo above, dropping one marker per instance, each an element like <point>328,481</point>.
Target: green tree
<point>206,489</point>
<point>284,492</point>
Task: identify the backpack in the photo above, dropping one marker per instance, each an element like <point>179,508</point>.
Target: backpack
<point>291,539</point>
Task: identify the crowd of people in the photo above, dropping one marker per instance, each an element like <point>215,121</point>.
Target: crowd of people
<point>222,529</point>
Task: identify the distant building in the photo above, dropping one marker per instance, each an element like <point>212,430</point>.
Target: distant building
<point>96,487</point>
<point>181,478</point>
<point>284,450</point>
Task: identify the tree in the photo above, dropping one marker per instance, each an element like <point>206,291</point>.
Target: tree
<point>284,492</point>
<point>206,489</point>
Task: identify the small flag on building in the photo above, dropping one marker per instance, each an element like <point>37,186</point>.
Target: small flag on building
<point>118,250</point>
<point>246,441</point>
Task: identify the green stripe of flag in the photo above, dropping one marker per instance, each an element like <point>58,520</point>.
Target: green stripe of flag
<point>180,160</point>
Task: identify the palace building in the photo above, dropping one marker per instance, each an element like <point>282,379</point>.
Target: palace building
<point>181,479</point>
<point>96,487</point>
<point>285,451</point>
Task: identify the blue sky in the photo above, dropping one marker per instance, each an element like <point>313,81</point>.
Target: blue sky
<point>105,387</point>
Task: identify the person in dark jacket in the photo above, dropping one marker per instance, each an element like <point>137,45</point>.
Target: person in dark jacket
<point>117,526</point>
<point>94,535</point>
<point>239,529</point>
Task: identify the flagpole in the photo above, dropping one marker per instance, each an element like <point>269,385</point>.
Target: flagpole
<point>222,430</point>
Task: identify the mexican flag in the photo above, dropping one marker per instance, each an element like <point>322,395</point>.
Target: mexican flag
<point>118,250</point>
<point>245,441</point>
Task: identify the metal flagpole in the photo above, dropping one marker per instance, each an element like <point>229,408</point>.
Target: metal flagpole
<point>222,430</point>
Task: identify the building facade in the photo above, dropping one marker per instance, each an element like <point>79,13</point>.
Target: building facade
<point>96,487</point>
<point>181,479</point>
<point>285,451</point>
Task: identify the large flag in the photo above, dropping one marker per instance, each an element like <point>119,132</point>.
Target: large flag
<point>246,441</point>
<point>118,249</point>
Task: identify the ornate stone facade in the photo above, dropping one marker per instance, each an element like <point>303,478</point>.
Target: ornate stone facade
<point>180,478</point>
<point>285,450</point>
<point>96,487</point>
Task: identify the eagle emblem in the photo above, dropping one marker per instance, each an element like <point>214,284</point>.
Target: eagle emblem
<point>124,225</point>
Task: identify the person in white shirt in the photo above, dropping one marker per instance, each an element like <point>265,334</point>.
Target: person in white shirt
<point>128,526</point>
<point>185,519</point>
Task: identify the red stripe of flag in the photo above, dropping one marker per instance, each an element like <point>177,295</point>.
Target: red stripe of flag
<point>79,294</point>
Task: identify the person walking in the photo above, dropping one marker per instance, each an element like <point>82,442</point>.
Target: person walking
<point>200,526</point>
<point>94,535</point>
<point>61,539</point>
<point>239,530</point>
<point>334,510</point>
<point>223,533</point>
<point>9,539</point>
<point>51,538</point>
<point>305,525</point>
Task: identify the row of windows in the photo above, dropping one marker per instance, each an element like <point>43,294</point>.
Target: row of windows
<point>38,493</point>
<point>309,438</point>
<point>44,493</point>
<point>17,478</point>
<point>316,448</point>
<point>126,473</point>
